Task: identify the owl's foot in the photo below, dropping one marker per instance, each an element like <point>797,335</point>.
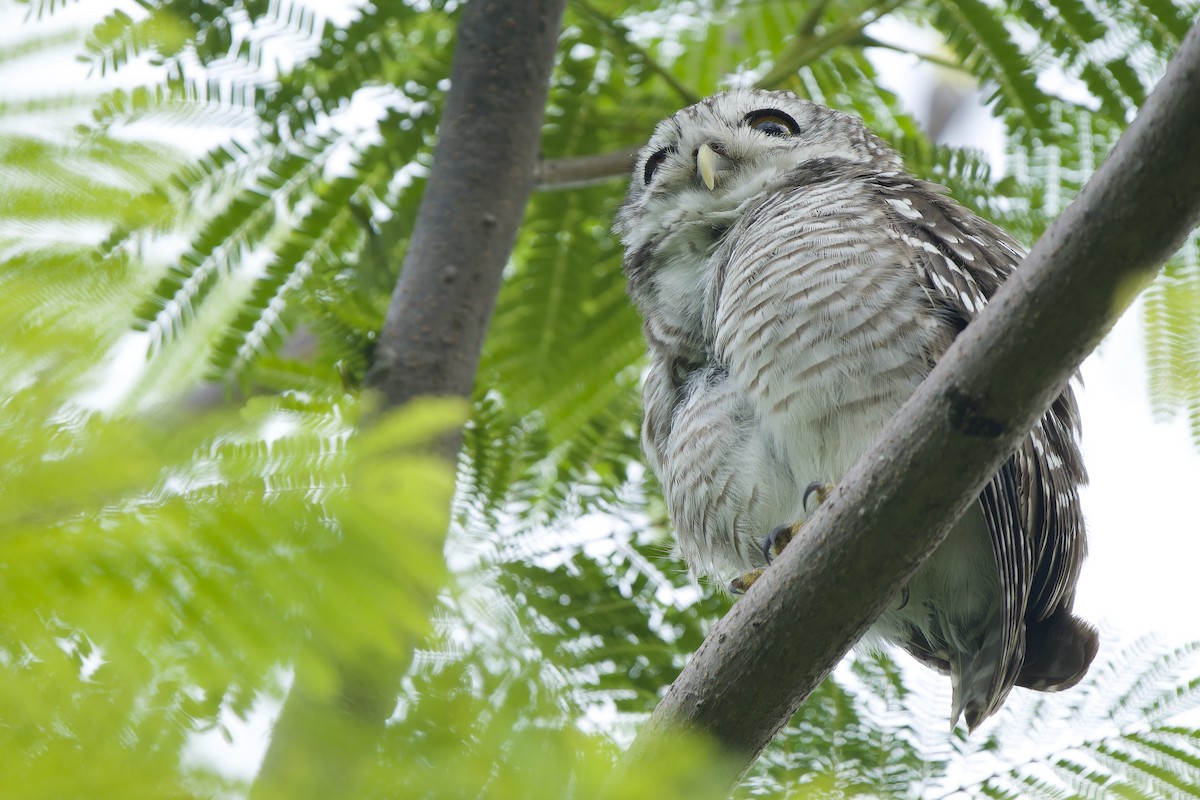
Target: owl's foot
<point>771,547</point>
<point>778,539</point>
<point>742,584</point>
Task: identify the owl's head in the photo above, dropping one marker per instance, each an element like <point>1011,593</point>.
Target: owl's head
<point>707,160</point>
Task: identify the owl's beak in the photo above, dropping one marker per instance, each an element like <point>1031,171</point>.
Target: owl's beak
<point>708,162</point>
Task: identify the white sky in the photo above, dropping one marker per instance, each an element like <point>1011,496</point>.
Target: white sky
<point>1141,508</point>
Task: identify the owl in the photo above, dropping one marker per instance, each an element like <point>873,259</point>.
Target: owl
<point>796,285</point>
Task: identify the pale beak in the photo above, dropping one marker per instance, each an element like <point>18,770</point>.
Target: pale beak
<point>707,164</point>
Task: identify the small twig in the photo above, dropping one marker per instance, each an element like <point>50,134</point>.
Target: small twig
<point>619,32</point>
<point>808,25</point>
<point>573,173</point>
<point>805,51</point>
<point>868,41</point>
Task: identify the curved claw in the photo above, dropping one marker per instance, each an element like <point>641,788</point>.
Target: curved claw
<point>821,489</point>
<point>904,598</point>
<point>777,540</point>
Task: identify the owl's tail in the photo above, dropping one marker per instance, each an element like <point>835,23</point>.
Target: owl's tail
<point>1058,652</point>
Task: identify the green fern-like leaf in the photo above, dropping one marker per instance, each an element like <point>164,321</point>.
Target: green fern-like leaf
<point>119,38</point>
<point>566,344</point>
<point>229,236</point>
<point>1163,23</point>
<point>1171,323</point>
<point>326,237</point>
<point>390,48</point>
<point>977,33</point>
<point>1071,29</point>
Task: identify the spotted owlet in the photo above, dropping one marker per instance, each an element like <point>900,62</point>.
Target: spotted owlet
<point>796,285</point>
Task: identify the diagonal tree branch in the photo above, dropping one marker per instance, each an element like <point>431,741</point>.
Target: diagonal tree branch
<point>479,185</point>
<point>783,637</point>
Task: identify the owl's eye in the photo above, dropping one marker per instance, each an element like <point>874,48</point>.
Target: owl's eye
<point>772,122</point>
<point>653,162</point>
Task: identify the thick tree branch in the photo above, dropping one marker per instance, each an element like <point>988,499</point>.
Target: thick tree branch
<point>784,636</point>
<point>482,176</point>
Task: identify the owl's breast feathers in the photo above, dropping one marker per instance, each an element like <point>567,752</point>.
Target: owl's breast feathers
<point>817,318</point>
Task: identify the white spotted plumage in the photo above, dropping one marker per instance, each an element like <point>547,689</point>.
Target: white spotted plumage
<point>789,310</point>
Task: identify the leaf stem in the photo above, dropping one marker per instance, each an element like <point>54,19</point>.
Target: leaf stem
<point>808,25</point>
<point>805,50</point>
<point>869,41</point>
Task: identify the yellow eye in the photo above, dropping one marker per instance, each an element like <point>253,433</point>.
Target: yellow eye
<point>772,122</point>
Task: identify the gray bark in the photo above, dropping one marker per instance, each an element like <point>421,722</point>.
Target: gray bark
<point>571,173</point>
<point>479,185</point>
<point>483,174</point>
<point>784,636</point>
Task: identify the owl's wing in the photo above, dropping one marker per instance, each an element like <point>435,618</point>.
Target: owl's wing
<point>835,219</point>
<point>1032,505</point>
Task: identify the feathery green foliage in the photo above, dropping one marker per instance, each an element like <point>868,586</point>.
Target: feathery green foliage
<point>1103,733</point>
<point>1172,329</point>
<point>361,87</point>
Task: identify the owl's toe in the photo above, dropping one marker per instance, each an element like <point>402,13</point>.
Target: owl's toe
<point>778,539</point>
<point>742,584</point>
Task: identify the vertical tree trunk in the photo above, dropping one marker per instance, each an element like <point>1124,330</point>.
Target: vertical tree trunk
<point>482,176</point>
